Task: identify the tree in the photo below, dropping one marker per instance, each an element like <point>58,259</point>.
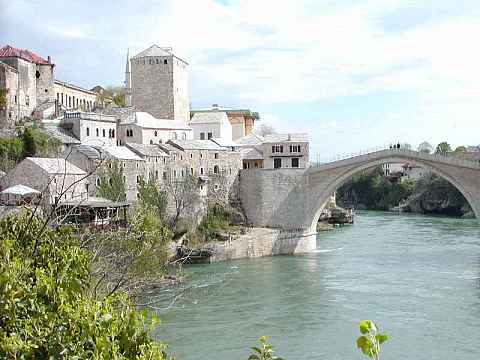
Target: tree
<point>460,149</point>
<point>185,195</point>
<point>129,260</point>
<point>45,307</point>
<point>264,130</point>
<point>119,99</point>
<point>443,148</point>
<point>371,339</point>
<point>425,147</point>
<point>29,144</point>
<point>112,183</point>
<point>152,196</point>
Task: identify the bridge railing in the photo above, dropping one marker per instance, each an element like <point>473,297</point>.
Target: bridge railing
<point>452,157</point>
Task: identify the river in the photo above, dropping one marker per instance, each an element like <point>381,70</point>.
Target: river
<point>416,276</point>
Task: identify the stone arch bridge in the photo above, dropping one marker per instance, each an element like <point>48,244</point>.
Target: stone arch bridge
<point>292,199</point>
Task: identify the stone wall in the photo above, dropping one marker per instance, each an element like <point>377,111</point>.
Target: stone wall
<point>259,242</point>
<point>9,83</point>
<point>45,89</point>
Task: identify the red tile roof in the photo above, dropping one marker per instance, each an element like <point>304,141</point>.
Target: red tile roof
<point>9,51</point>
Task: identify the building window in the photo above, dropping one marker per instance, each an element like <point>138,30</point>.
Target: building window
<point>191,156</point>
<point>277,163</point>
<point>215,169</point>
<point>216,155</point>
<point>201,171</point>
<point>27,100</point>
<point>151,142</point>
<point>138,179</point>
<point>165,61</point>
<point>103,132</point>
<point>155,133</point>
<point>184,136</point>
<point>37,74</point>
<point>277,149</point>
<point>88,131</point>
<point>164,175</point>
<point>113,133</point>
<point>156,174</point>
<point>156,61</point>
<point>295,148</point>
<point>210,135</point>
<point>202,136</point>
<point>191,171</point>
<point>295,163</point>
<point>97,132</point>
<point>174,173</point>
<point>201,156</point>
<point>15,97</point>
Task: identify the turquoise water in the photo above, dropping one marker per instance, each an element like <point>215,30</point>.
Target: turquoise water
<point>417,276</point>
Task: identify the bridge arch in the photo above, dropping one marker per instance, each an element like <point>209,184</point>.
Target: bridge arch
<point>324,181</point>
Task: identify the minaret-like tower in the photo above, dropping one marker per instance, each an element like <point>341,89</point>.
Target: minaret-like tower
<point>128,82</point>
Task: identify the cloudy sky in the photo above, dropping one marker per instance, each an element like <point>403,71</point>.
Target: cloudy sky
<point>353,73</point>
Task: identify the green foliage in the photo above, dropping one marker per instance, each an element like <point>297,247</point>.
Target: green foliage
<point>371,339</point>
<point>460,149</point>
<point>152,196</point>
<point>29,145</point>
<point>265,352</point>
<point>214,220</point>
<point>443,148</point>
<point>374,191</point>
<point>45,309</point>
<point>112,183</point>
<point>129,259</point>
<point>119,99</point>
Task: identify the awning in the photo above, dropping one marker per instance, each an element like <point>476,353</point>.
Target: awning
<point>20,190</point>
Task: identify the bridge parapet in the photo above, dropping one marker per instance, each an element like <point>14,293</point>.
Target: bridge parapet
<point>455,160</point>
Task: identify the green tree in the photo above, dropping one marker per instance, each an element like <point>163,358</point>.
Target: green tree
<point>371,339</point>
<point>185,196</point>
<point>152,196</point>
<point>460,149</point>
<point>119,99</point>
<point>29,144</point>
<point>45,308</point>
<point>112,183</point>
<point>443,148</point>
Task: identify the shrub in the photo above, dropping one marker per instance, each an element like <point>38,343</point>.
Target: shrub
<point>45,309</point>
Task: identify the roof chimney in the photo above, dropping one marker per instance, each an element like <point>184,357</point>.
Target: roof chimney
<point>49,59</point>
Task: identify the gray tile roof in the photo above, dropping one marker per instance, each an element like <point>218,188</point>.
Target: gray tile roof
<point>154,50</point>
<point>214,117</point>
<point>61,134</point>
<point>56,166</point>
<point>146,150</point>
<point>250,140</point>
<point>273,138</point>
<point>251,154</point>
<point>196,145</point>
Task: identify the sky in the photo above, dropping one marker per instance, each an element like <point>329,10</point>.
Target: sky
<point>354,74</point>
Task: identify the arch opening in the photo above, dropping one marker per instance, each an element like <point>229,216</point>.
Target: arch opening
<point>343,177</point>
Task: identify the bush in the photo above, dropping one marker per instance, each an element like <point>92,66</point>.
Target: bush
<point>45,309</point>
<point>216,218</point>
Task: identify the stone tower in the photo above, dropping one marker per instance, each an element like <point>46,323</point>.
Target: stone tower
<point>128,82</point>
<point>159,84</point>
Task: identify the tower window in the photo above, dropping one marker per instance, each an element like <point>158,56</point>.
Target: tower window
<point>215,169</point>
<point>156,61</point>
<point>165,61</point>
<point>37,74</point>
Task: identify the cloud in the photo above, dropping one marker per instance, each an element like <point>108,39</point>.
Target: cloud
<point>306,65</point>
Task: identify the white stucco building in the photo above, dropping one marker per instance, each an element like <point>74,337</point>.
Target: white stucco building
<point>209,125</point>
<point>143,128</point>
